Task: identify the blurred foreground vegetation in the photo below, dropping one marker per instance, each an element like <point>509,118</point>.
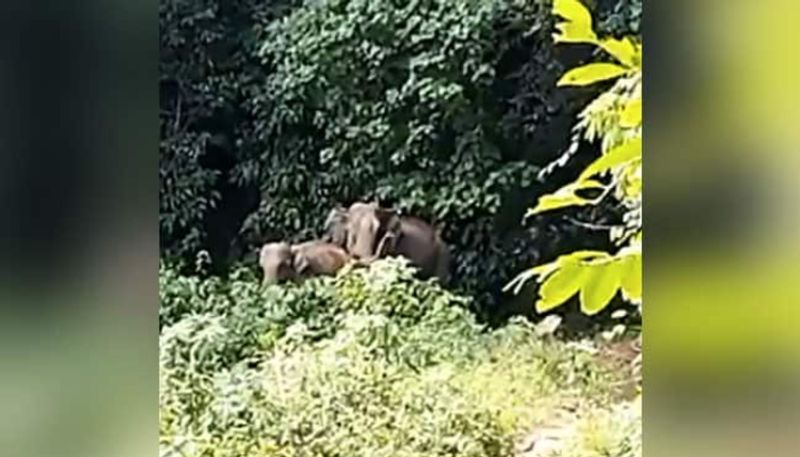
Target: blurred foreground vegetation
<point>375,363</point>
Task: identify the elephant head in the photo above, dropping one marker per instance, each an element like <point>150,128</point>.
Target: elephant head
<point>369,232</point>
<point>368,229</point>
<point>277,262</point>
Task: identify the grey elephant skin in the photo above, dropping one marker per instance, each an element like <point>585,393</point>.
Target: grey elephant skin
<point>369,231</point>
<point>281,261</point>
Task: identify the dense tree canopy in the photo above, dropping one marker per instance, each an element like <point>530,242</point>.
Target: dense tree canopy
<point>274,112</point>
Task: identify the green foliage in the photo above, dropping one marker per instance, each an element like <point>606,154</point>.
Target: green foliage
<point>616,432</point>
<point>316,306</point>
<point>375,99</point>
<point>615,118</point>
<point>372,362</point>
<point>619,17</point>
<point>273,112</point>
<point>208,69</point>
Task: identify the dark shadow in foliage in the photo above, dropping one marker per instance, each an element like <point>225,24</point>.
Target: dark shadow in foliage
<point>208,71</point>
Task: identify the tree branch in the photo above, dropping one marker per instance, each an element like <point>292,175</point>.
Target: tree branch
<point>588,225</point>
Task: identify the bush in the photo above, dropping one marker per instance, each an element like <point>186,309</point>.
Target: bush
<point>372,362</point>
<point>255,318</point>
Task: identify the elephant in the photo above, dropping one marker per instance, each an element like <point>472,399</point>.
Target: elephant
<point>336,227</point>
<point>281,261</point>
<point>367,231</point>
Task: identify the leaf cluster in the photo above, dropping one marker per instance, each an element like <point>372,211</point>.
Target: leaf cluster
<point>372,362</point>
<point>615,118</point>
<point>275,112</point>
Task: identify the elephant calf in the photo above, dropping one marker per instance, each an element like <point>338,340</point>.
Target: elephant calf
<point>281,261</point>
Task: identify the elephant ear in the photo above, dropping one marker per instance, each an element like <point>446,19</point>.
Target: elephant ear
<point>389,220</point>
<point>337,215</point>
<point>390,230</point>
<point>335,226</point>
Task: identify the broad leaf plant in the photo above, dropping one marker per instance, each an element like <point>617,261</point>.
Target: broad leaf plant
<point>615,119</point>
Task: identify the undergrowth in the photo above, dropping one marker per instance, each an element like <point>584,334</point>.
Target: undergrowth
<point>370,363</point>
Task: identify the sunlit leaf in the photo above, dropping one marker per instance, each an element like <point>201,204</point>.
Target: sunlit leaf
<point>631,281</point>
<point>545,270</point>
<point>591,73</point>
<point>565,197</point>
<point>621,49</point>
<point>573,11</point>
<point>577,25</point>
<point>560,286</point>
<point>600,283</point>
<point>632,178</point>
<point>555,201</point>
<point>632,114</point>
<point>598,275</point>
<point>620,155</point>
<point>574,33</point>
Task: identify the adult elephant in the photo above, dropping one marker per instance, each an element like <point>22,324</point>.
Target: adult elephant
<point>368,231</point>
<point>281,261</point>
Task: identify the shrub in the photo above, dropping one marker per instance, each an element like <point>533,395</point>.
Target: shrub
<point>254,319</point>
<point>372,362</point>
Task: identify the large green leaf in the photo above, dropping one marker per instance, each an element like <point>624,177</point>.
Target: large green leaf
<point>591,73</point>
<point>600,283</point>
<point>574,33</point>
<point>560,286</point>
<point>620,155</point>
<point>577,27</point>
<point>565,196</point>
<point>632,279</point>
<point>623,50</point>
<point>573,11</point>
<point>558,200</point>
<point>546,269</point>
<point>632,114</point>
